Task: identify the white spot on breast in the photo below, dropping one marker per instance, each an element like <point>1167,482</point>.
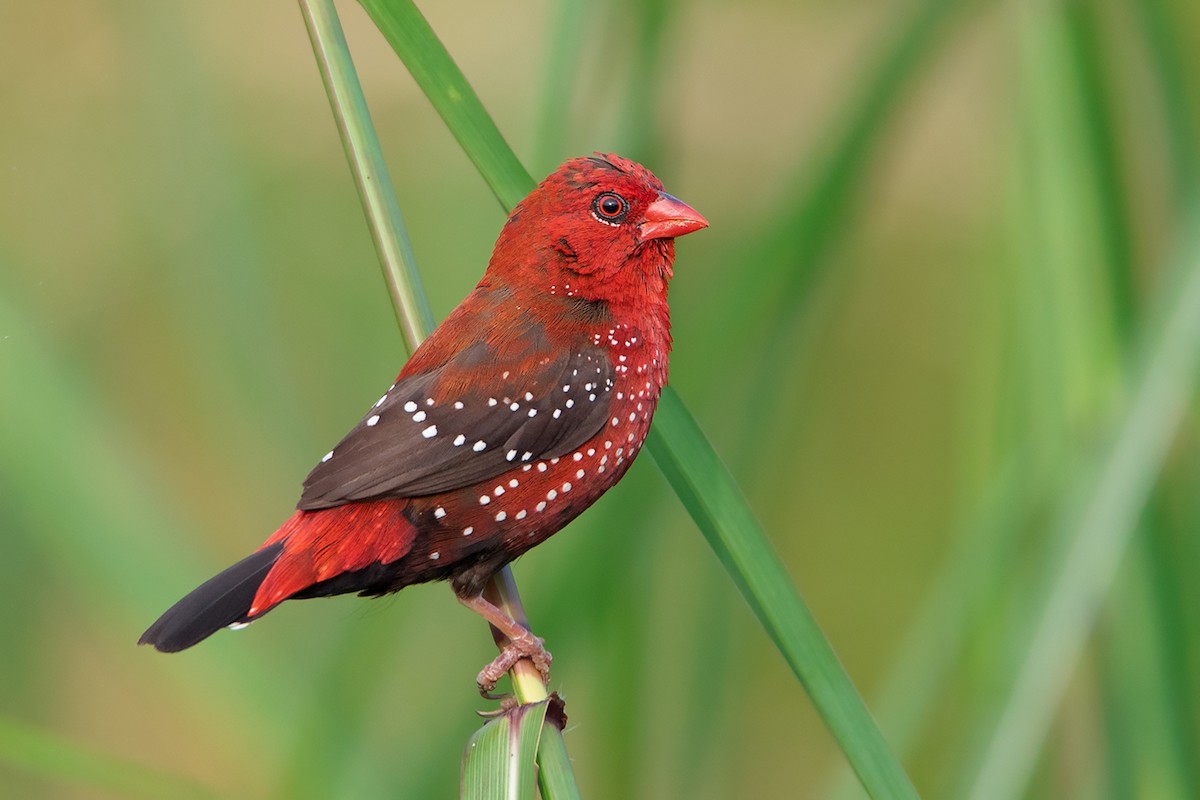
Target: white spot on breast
<point>579,474</point>
<point>514,483</point>
<point>521,514</point>
<point>632,416</point>
<point>479,446</point>
<point>435,555</point>
<point>467,531</point>
<point>501,516</point>
<point>491,401</point>
<point>591,452</point>
<point>540,506</point>
<point>430,432</point>
<point>373,421</point>
<point>439,512</point>
<point>410,406</point>
<point>484,499</point>
<point>550,495</point>
<point>458,405</point>
<point>541,466</point>
<point>577,457</point>
<point>528,396</point>
<point>504,375</point>
<point>566,487</point>
<point>615,420</point>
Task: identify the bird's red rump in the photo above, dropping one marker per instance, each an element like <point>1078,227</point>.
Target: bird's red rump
<point>319,545</point>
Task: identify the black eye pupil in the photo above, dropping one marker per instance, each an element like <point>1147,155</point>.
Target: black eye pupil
<point>610,206</point>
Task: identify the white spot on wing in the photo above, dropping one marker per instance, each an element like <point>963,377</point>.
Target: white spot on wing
<point>430,432</point>
<point>373,421</point>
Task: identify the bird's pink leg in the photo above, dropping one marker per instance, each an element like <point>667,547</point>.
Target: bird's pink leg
<point>521,644</point>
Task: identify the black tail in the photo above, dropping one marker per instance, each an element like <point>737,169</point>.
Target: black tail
<point>220,601</point>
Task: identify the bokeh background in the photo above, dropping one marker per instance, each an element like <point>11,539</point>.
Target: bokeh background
<point>945,239</point>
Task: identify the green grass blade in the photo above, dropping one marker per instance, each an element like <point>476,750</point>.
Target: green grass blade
<point>386,223</point>
<point>676,442</point>
<point>63,761</point>
<point>499,760</point>
<point>1095,525</point>
<point>715,502</point>
<point>440,79</point>
<point>369,169</point>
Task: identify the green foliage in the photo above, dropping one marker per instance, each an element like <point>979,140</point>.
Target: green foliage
<point>940,331</point>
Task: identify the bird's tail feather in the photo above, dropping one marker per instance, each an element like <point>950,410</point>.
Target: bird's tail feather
<point>219,602</point>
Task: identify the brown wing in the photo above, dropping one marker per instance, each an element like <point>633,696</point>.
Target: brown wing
<point>420,440</point>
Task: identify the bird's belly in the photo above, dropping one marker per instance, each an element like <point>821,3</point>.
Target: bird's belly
<point>485,526</point>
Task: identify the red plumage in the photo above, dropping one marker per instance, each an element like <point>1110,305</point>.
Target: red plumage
<point>529,402</point>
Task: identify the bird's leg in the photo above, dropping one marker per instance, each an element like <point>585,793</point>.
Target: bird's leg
<point>521,644</point>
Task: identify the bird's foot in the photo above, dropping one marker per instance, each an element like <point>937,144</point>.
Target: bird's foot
<point>521,645</point>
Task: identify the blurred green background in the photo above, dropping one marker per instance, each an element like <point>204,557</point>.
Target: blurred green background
<point>947,245</point>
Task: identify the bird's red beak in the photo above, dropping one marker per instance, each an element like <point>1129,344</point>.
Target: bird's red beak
<point>668,217</point>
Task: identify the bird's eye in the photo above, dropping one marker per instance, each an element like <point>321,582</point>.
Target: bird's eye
<point>610,208</point>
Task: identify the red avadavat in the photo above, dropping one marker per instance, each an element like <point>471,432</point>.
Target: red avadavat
<point>529,402</point>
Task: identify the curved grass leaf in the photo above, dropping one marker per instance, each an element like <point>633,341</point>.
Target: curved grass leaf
<point>498,763</point>
<point>676,442</point>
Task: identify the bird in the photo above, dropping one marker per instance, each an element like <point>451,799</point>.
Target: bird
<point>527,403</point>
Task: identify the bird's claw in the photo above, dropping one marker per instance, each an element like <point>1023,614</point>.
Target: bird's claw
<point>523,646</point>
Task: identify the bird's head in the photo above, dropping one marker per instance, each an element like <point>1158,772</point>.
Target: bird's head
<point>598,228</point>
